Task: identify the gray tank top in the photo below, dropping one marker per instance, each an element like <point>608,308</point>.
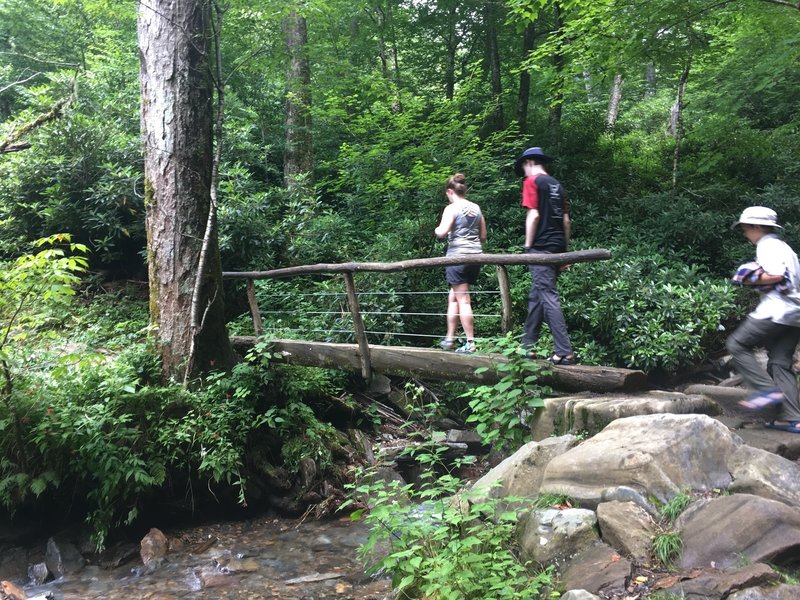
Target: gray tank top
<point>465,236</point>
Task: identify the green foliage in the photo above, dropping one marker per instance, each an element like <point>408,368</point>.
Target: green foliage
<point>648,311</point>
<point>789,575</point>
<point>502,412</point>
<point>443,543</point>
<point>30,289</point>
<point>210,428</point>
<point>552,499</point>
<point>302,433</point>
<point>667,547</point>
<point>672,509</point>
<point>35,281</point>
<point>83,179</point>
<point>85,415</point>
<point>88,436</point>
<point>664,595</point>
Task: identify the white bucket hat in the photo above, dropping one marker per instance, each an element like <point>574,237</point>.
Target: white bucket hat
<point>758,215</point>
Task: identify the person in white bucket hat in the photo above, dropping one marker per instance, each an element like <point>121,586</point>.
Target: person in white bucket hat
<point>773,325</point>
<point>758,215</point>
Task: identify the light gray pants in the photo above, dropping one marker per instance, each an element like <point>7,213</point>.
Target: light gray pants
<point>779,342</point>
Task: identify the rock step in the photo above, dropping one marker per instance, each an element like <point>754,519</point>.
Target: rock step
<point>587,413</point>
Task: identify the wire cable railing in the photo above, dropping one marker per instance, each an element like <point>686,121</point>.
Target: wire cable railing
<point>271,327</point>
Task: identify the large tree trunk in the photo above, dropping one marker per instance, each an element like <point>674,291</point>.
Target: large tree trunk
<point>176,131</point>
<point>496,118</point>
<point>451,41</point>
<point>523,99</point>
<point>676,120</point>
<point>613,101</point>
<point>387,44</point>
<point>299,157</point>
<point>650,80</point>
<point>557,98</point>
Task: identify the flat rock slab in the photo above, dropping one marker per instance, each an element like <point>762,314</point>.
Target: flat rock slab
<point>712,584</point>
<point>754,433</point>
<point>590,413</point>
<point>762,473</point>
<point>780,592</point>
<point>598,569</point>
<point>728,398</point>
<point>727,530</point>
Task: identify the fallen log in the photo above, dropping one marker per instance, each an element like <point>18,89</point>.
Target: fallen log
<point>428,363</point>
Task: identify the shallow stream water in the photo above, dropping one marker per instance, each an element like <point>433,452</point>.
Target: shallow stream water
<point>259,558</point>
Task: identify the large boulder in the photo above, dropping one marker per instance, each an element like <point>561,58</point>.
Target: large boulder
<point>579,595</point>
<point>62,557</point>
<point>765,474</point>
<point>153,547</point>
<point>650,455</point>
<point>598,569</point>
<point>627,527</point>
<point>590,413</point>
<point>722,532</point>
<point>551,536</point>
<point>521,473</point>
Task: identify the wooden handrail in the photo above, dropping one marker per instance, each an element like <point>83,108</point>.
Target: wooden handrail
<point>562,258</point>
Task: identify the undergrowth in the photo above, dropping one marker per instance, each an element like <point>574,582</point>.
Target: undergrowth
<point>84,414</point>
<point>439,541</point>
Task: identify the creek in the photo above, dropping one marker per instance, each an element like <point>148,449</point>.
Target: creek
<point>264,557</point>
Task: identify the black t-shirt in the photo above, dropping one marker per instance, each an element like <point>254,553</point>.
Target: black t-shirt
<point>545,194</point>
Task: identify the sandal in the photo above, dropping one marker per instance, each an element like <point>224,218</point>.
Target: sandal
<point>567,360</point>
<point>762,400</point>
<point>790,426</point>
<point>447,344</point>
<point>467,348</point>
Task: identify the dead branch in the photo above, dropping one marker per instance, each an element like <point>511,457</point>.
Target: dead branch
<point>9,144</point>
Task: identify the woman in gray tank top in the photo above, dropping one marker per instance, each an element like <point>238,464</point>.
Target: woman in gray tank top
<point>465,229</point>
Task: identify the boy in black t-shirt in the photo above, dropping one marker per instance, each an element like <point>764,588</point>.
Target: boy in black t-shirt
<point>547,230</point>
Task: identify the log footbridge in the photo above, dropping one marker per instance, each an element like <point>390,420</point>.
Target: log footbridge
<point>426,363</point>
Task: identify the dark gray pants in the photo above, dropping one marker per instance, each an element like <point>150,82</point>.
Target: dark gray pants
<point>779,342</point>
<point>544,305</point>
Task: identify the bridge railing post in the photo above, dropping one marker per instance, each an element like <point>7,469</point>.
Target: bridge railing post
<point>505,299</point>
<point>358,326</point>
<point>254,312</point>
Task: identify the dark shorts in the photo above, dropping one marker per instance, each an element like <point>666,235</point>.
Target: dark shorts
<point>462,274</point>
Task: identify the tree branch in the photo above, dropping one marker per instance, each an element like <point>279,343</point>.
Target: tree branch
<point>795,5</point>
<point>20,82</point>
<point>9,145</point>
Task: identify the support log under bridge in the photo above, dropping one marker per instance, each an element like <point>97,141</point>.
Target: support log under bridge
<point>427,363</point>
